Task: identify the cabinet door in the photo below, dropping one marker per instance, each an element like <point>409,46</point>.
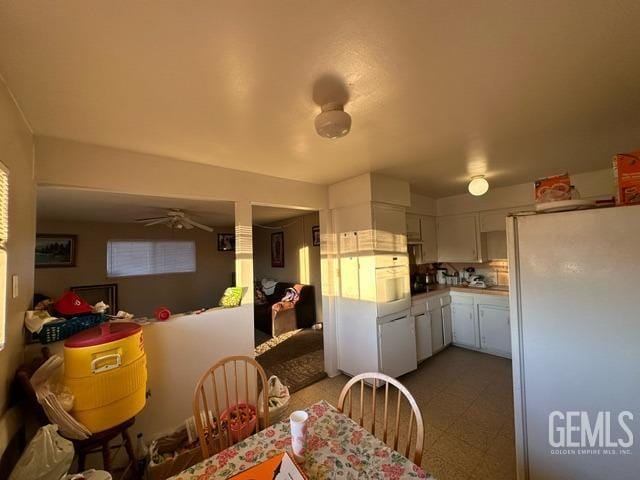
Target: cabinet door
<point>495,245</point>
<point>429,240</point>
<point>389,230</point>
<point>458,239</point>
<point>464,331</point>
<point>423,336</point>
<point>413,228</point>
<point>437,339</point>
<point>447,325</point>
<point>495,221</point>
<point>495,328</point>
<point>397,344</point>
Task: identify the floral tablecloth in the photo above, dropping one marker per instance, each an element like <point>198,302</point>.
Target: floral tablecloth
<point>337,448</point>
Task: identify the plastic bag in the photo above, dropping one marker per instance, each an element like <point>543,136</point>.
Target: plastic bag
<point>278,399</point>
<point>47,457</point>
<point>56,400</point>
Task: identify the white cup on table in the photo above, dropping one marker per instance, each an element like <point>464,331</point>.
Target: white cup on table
<point>298,422</point>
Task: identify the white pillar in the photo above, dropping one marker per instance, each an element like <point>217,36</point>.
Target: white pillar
<point>329,272</point>
<point>244,251</point>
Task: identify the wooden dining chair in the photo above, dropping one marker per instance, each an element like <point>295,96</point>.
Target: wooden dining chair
<point>229,383</point>
<point>380,380</point>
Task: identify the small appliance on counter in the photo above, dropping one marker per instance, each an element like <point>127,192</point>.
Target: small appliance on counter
<point>441,275</point>
<point>477,281</point>
<point>418,283</point>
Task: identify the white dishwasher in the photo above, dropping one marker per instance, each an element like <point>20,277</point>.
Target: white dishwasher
<point>397,344</point>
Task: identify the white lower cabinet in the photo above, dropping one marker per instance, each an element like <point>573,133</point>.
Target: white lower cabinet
<point>481,322</point>
<point>477,321</point>
<point>447,325</point>
<point>464,324</point>
<point>424,346</point>
<point>397,346</point>
<point>437,338</point>
<point>495,329</point>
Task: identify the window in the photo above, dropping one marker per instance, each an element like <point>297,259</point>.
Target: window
<point>126,258</point>
<point>4,236</point>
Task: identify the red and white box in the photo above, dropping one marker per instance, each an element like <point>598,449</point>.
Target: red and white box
<point>626,169</point>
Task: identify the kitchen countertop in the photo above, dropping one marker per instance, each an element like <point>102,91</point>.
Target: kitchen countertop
<point>440,289</point>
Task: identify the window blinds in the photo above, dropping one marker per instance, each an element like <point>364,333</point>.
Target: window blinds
<point>126,258</point>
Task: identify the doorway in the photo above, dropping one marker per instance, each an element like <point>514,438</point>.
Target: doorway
<point>288,300</point>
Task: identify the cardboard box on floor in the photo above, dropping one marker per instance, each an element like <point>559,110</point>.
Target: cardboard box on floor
<point>187,456</point>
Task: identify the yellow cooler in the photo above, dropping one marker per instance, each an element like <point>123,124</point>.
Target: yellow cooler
<point>105,368</point>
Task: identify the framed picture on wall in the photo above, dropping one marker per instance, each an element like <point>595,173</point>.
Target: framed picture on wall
<point>315,232</point>
<point>107,293</point>
<point>226,242</point>
<point>277,250</point>
<point>56,250</point>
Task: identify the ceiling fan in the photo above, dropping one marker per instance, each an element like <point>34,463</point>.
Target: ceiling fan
<point>174,218</point>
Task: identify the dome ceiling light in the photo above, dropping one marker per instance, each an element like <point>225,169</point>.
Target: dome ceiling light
<point>478,185</point>
<point>333,121</point>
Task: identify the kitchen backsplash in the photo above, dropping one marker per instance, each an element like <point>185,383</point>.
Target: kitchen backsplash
<point>496,272</point>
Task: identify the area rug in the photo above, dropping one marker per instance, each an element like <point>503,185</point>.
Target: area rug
<point>265,342</point>
<point>297,360</point>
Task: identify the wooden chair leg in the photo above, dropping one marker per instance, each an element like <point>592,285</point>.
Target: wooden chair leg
<point>126,438</point>
<point>106,456</point>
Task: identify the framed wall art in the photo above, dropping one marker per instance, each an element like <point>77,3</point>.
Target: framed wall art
<point>277,250</point>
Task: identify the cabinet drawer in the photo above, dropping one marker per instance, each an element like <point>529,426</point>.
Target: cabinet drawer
<point>433,303</point>
<point>418,308</point>
<point>462,299</point>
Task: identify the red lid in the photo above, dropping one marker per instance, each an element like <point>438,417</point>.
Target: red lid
<point>103,333</point>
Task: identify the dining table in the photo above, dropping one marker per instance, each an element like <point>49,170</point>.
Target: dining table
<point>336,448</point>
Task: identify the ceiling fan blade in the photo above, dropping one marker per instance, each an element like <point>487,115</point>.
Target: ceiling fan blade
<point>187,220</point>
<point>156,222</point>
<point>148,219</point>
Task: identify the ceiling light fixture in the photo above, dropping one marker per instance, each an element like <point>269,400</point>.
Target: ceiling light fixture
<point>333,121</point>
<point>478,185</point>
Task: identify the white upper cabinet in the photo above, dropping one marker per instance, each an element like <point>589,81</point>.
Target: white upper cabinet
<point>389,234</point>
<point>429,240</point>
<point>495,221</point>
<point>421,230</point>
<point>495,245</point>
<point>458,239</point>
<point>414,232</point>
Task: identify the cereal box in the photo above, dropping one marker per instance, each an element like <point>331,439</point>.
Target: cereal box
<point>552,189</point>
<point>626,169</point>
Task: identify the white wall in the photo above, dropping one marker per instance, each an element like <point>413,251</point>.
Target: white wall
<point>16,152</point>
<point>180,292</point>
<point>178,353</point>
<point>73,164</point>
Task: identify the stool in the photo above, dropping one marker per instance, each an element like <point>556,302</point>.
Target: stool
<point>96,442</point>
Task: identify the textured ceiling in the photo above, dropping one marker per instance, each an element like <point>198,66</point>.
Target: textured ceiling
<point>438,90</point>
<point>64,204</point>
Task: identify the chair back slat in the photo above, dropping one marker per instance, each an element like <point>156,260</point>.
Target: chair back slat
<point>390,438</point>
<point>373,407</point>
<point>361,421</point>
<point>213,387</point>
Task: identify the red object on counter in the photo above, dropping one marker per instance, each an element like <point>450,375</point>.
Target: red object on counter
<point>162,314</point>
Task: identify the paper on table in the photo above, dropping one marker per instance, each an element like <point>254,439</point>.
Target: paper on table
<point>279,467</point>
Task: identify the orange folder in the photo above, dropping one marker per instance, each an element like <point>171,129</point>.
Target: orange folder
<point>268,469</point>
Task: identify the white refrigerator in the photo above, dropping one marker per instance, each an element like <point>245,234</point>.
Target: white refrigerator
<point>575,314</point>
